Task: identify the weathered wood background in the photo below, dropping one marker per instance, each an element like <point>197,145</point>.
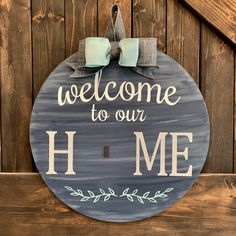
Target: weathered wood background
<point>36,35</point>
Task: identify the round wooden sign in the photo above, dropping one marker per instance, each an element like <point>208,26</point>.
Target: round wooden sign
<point>118,146</point>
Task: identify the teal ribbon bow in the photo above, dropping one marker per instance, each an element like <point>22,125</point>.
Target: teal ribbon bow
<point>98,52</point>
<point>139,54</point>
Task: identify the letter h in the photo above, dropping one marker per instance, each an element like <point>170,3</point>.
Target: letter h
<point>52,152</point>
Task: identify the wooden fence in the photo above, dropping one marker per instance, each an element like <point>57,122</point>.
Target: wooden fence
<point>37,35</point>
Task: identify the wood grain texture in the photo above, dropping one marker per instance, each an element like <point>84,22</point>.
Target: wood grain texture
<point>219,13</point>
<point>29,208</point>
<point>183,37</point>
<point>81,22</point>
<point>106,151</point>
<point>234,168</point>
<point>126,10</point>
<point>104,12</point>
<point>149,20</point>
<point>16,84</point>
<point>217,84</point>
<point>48,38</point>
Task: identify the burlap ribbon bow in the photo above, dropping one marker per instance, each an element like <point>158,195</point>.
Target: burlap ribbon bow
<point>139,54</point>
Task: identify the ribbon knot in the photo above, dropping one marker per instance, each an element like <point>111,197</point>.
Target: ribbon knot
<point>99,51</point>
<point>139,54</point>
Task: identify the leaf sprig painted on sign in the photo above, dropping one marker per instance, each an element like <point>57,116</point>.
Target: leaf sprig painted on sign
<point>105,195</point>
<point>90,195</point>
<point>131,195</point>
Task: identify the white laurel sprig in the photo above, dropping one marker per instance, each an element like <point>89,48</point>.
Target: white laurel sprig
<point>91,195</point>
<point>146,196</point>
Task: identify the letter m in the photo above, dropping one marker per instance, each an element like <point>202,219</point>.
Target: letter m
<point>140,142</point>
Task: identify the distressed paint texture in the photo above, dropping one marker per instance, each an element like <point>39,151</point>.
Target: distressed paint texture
<point>93,171</point>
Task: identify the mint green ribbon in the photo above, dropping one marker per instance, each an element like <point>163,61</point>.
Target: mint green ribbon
<point>98,52</point>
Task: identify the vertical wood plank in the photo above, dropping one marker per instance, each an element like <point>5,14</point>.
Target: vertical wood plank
<point>126,10</point>
<point>104,12</point>
<point>183,37</point>
<point>81,22</point>
<point>48,38</point>
<point>149,20</point>
<point>217,83</point>
<point>16,84</point>
<point>234,169</point>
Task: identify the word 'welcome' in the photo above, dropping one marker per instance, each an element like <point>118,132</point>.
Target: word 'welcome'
<point>127,91</point>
